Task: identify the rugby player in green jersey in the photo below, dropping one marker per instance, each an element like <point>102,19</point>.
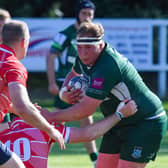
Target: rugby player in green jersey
<point>65,50</point>
<point>135,140</point>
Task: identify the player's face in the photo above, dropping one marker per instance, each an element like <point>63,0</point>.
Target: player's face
<point>26,43</point>
<point>89,53</point>
<point>27,39</point>
<point>86,15</point>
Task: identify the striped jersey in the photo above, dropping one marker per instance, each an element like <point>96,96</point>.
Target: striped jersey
<point>31,144</point>
<point>64,43</point>
<point>11,70</point>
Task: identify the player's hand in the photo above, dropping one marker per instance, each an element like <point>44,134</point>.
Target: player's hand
<point>37,106</point>
<point>57,136</point>
<point>45,113</point>
<point>127,108</point>
<point>53,89</point>
<point>70,95</point>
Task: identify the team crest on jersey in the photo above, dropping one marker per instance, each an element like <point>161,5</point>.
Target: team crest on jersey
<point>97,83</point>
<point>137,152</point>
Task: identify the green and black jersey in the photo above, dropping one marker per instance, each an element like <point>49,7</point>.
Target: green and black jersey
<point>113,78</point>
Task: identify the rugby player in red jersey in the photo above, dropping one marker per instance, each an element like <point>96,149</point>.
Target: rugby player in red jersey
<point>13,93</point>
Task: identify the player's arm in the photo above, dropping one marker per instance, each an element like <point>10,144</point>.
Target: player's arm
<point>99,128</point>
<point>52,87</point>
<point>84,108</point>
<point>26,110</point>
<point>4,126</point>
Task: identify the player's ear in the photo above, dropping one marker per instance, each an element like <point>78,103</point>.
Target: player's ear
<point>23,43</point>
<point>101,45</point>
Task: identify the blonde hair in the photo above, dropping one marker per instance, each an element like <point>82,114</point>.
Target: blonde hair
<point>90,29</point>
<point>4,15</point>
<point>14,31</point>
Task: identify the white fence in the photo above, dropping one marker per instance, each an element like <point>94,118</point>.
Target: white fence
<point>132,37</point>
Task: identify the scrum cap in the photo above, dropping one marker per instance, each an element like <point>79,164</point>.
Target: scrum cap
<point>82,5</point>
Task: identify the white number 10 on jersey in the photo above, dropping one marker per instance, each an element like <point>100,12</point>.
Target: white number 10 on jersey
<point>21,147</point>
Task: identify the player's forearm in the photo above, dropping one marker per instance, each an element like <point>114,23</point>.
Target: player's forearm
<point>66,115</point>
<point>32,116</point>
<point>84,108</point>
<point>95,130</point>
<point>51,68</point>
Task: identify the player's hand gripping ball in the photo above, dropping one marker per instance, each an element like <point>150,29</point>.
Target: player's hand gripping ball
<point>79,82</point>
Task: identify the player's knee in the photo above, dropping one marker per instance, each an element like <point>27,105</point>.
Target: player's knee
<point>86,121</point>
<point>128,164</point>
<point>105,160</point>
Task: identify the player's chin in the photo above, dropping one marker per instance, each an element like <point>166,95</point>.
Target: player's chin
<point>86,62</point>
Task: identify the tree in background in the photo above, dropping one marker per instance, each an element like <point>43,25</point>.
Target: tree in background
<point>106,8</point>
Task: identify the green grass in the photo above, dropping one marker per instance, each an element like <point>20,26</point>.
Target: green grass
<point>75,155</point>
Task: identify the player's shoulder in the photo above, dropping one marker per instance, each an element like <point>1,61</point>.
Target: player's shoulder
<point>110,56</point>
<point>106,66</point>
<point>6,56</point>
<point>11,64</point>
<point>64,37</point>
<point>18,122</point>
<point>70,29</point>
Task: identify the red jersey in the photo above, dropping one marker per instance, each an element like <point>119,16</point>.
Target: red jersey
<point>31,144</point>
<point>11,70</point>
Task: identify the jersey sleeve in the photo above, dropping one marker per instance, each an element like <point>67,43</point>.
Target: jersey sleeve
<point>59,43</point>
<point>102,80</point>
<point>14,72</point>
<point>65,131</point>
<point>16,76</point>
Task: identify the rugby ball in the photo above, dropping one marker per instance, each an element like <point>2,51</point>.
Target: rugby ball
<point>79,82</point>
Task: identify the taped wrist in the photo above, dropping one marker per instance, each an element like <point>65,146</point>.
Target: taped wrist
<point>61,91</point>
<point>119,115</point>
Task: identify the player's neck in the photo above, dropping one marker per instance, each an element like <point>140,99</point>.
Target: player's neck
<point>77,25</point>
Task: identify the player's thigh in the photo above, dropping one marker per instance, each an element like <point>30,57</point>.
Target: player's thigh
<point>110,143</point>
<point>86,121</point>
<point>142,141</point>
<point>128,164</point>
<point>5,154</point>
<point>13,162</point>
<point>109,150</point>
<point>105,160</point>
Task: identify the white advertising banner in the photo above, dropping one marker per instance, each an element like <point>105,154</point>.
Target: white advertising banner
<point>132,38</point>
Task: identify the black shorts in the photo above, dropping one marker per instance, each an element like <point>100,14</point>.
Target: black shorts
<point>136,143</point>
<point>5,153</point>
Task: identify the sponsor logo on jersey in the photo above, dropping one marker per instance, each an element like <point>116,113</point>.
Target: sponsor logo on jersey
<point>137,151</point>
<point>97,83</point>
